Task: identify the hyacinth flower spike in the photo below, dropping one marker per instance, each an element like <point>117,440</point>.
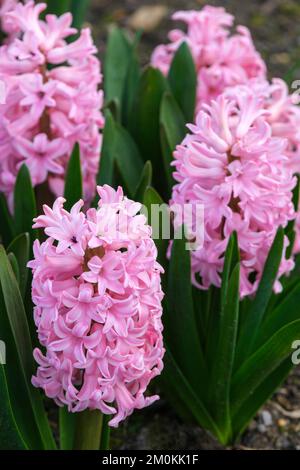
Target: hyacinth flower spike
<point>97,295</point>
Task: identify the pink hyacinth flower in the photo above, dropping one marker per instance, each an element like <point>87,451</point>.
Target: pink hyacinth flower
<point>52,94</point>
<point>97,294</point>
<point>221,59</point>
<point>234,166</point>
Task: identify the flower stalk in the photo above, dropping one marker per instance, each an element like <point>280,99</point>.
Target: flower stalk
<point>89,427</point>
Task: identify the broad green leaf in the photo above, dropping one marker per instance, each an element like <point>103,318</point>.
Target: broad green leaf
<point>117,59</point>
<point>216,303</point>
<point>200,298</point>
<point>58,7</point>
<point>145,126</point>
<point>183,81</point>
<point>128,161</point>
<point>7,229</point>
<point>113,106</point>
<point>73,185</point>
<point>20,248</point>
<point>17,385</point>
<point>67,426</point>
<point>224,353</point>
<point>263,362</point>
<point>144,183</point>
<point>176,381</point>
<point>256,312</point>
<point>106,164</point>
<point>232,257</point>
<point>159,220</point>
<point>10,435</point>
<point>25,204</point>
<point>15,267</point>
<point>251,406</point>
<point>21,336</point>
<point>286,312</point>
<point>173,130</point>
<point>179,318</point>
<point>78,9</point>
<point>132,80</point>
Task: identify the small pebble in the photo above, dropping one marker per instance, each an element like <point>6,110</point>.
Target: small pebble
<point>282,422</point>
<point>261,428</point>
<point>267,418</point>
<point>147,17</point>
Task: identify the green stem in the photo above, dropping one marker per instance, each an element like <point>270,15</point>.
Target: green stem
<point>105,433</point>
<point>88,430</point>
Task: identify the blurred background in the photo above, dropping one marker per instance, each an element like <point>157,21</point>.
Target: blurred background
<point>274,24</point>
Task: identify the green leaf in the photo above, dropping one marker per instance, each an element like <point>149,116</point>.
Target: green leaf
<point>127,159</point>
<point>232,258</point>
<point>117,59</point>
<point>251,406</point>
<point>67,426</point>
<point>145,126</point>
<point>286,312</point>
<point>132,80</point>
<point>7,229</point>
<point>258,308</point>
<point>20,248</point>
<point>78,10</point>
<point>183,81</point>
<point>216,303</point>
<point>25,204</point>
<point>144,183</point>
<point>173,130</point>
<point>157,221</point>
<point>73,185</point>
<point>224,354</point>
<point>21,336</point>
<point>58,7</point>
<point>17,386</point>
<point>15,267</point>
<point>106,164</point>
<point>176,382</point>
<point>113,106</point>
<point>10,434</point>
<point>263,362</point>
<point>180,317</point>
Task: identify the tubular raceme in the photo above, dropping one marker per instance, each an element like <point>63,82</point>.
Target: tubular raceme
<point>52,100</point>
<point>234,166</point>
<point>97,295</point>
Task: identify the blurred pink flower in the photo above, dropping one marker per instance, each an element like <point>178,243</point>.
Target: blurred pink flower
<point>97,294</point>
<point>52,95</point>
<point>221,59</point>
<point>233,165</point>
<point>5,7</point>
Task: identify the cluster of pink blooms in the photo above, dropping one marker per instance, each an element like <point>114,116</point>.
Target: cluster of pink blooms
<point>221,59</point>
<point>240,157</point>
<point>97,291</point>
<point>52,100</point>
<point>234,166</point>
